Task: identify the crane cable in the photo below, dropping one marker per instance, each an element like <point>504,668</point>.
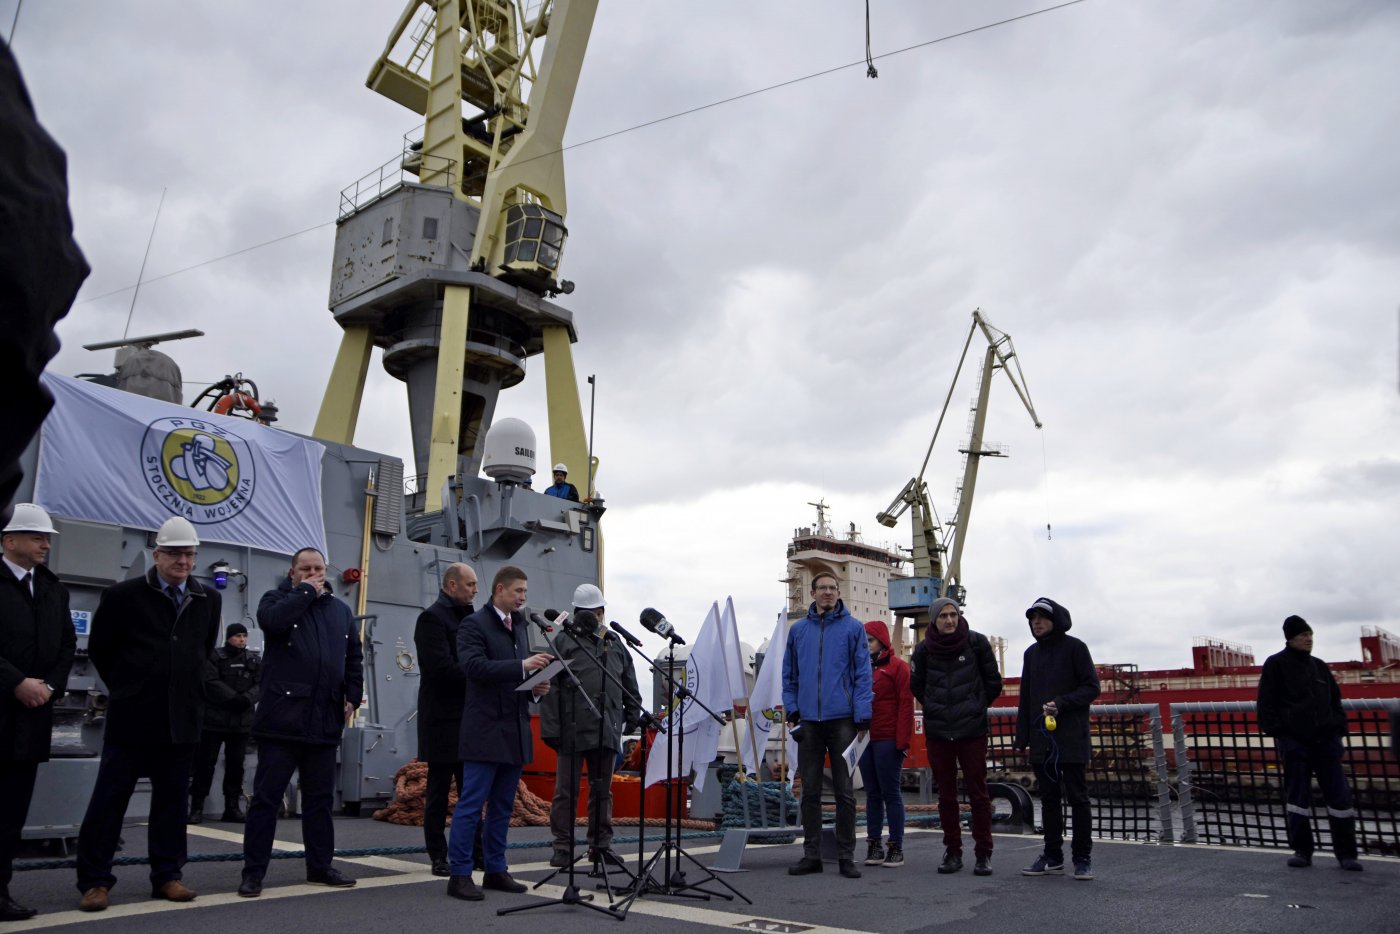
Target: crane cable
<point>870,71</point>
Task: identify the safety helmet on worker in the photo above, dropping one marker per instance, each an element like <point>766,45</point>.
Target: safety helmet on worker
<point>177,532</point>
<point>561,468</point>
<point>588,597</point>
<point>30,518</point>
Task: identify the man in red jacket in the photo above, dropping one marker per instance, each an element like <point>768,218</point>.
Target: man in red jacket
<point>891,731</point>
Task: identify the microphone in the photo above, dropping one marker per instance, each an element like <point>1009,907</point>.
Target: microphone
<point>653,621</point>
<point>631,639</point>
<point>585,622</point>
<point>539,621</point>
<point>552,614</point>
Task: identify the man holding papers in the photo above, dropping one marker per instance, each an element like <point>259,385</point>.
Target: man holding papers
<point>493,649</point>
<point>827,696</point>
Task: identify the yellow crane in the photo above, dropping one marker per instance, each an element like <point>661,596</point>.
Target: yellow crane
<point>910,597</point>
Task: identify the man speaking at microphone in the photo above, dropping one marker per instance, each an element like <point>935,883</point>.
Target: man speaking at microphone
<point>581,737</point>
<point>493,648</point>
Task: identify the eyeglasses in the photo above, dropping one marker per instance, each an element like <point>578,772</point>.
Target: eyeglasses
<point>186,555</point>
<point>827,588</point>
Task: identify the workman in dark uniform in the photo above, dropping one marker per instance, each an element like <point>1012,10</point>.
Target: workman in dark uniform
<point>1300,706</point>
<point>441,691</point>
<point>231,679</point>
<point>571,728</point>
<point>313,679</point>
<point>150,638</point>
<point>36,652</point>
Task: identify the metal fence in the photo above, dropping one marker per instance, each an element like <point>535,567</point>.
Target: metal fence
<point>1230,777</point>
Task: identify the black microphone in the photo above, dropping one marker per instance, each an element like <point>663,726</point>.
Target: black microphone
<point>585,622</point>
<point>552,614</point>
<point>539,621</point>
<point>653,621</point>
<point>631,639</point>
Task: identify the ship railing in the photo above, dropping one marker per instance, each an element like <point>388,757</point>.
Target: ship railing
<point>1230,777</point>
<point>408,166</point>
<point>1127,776</point>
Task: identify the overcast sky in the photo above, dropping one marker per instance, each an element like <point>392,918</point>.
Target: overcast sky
<point>1184,212</point>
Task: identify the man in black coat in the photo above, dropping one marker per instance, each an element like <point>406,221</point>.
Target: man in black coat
<point>313,679</point>
<point>150,637</point>
<point>1058,681</point>
<point>1300,706</point>
<point>955,678</point>
<point>493,648</point>
<point>231,679</point>
<point>441,692</point>
<point>579,736</point>
<point>36,652</point>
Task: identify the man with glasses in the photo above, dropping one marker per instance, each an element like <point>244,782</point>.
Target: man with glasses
<point>149,641</point>
<point>827,697</point>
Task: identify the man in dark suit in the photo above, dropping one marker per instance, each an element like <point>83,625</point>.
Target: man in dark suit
<point>313,671</point>
<point>150,637</point>
<point>440,694</point>
<point>36,651</point>
<point>494,651</point>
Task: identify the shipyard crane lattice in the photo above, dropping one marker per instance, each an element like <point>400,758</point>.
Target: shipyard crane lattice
<point>931,543</point>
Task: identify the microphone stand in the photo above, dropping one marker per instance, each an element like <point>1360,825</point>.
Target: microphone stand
<point>571,894</point>
<point>674,884</point>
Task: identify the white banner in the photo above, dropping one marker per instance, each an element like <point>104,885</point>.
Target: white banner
<point>113,456</point>
<point>707,679</point>
<point>766,704</point>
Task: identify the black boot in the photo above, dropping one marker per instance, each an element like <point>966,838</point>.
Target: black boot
<point>196,811</point>
<point>11,910</point>
<point>233,811</point>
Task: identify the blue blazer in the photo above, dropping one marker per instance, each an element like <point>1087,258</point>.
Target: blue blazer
<point>495,716</point>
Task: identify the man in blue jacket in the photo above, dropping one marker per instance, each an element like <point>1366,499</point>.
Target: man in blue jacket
<point>827,696</point>
<point>313,679</point>
<point>493,649</point>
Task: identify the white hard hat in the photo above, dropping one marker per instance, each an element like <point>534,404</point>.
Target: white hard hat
<point>30,518</point>
<point>561,468</point>
<point>589,597</point>
<point>176,532</point>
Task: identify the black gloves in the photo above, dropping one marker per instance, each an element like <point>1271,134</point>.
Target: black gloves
<point>862,726</point>
<point>794,718</point>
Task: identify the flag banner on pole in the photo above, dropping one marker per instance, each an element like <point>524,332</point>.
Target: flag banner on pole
<point>766,702</point>
<point>707,680</point>
<point>733,653</point>
<point>113,456</point>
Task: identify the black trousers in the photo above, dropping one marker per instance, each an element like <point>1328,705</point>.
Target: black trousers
<point>16,791</point>
<point>1323,758</point>
<point>568,773</point>
<point>235,746</point>
<point>441,775</point>
<point>167,765</point>
<point>817,740</point>
<point>1053,795</point>
<point>276,763</point>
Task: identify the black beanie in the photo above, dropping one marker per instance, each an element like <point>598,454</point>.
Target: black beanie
<point>1295,626</point>
<point>235,629</point>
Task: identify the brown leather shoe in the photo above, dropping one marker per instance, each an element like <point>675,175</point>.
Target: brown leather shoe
<point>174,891</point>
<point>94,899</point>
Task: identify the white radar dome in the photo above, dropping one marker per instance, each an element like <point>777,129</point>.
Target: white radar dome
<point>510,452</point>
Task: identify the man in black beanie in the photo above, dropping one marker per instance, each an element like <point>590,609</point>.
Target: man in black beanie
<point>1300,706</point>
<point>231,683</point>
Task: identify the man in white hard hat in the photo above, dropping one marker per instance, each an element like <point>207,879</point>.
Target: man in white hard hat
<point>150,638</point>
<point>578,735</point>
<point>562,488</point>
<point>36,652</point>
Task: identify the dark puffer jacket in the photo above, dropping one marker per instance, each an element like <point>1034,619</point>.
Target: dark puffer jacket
<point>313,665</point>
<point>569,724</point>
<point>956,692</point>
<point>1057,668</point>
<point>1299,698</point>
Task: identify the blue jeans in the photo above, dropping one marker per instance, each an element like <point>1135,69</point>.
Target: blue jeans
<point>880,767</point>
<point>492,784</point>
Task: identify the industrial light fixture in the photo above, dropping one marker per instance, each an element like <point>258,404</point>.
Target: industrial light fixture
<point>220,571</point>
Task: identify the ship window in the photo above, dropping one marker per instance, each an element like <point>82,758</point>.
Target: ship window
<point>430,228</point>
<point>388,232</point>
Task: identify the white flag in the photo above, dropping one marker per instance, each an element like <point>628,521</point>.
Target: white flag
<point>707,680</point>
<point>114,456</point>
<point>733,653</point>
<point>766,702</point>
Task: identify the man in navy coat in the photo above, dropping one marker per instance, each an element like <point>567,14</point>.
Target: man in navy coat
<point>493,649</point>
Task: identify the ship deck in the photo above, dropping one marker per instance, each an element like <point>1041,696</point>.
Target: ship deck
<point>1141,888</point>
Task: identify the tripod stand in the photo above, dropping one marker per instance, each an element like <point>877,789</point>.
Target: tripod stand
<point>673,882</point>
<point>571,894</point>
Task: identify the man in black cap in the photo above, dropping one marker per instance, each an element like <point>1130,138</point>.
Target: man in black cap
<point>231,679</point>
<point>1300,706</point>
